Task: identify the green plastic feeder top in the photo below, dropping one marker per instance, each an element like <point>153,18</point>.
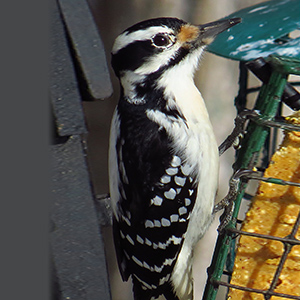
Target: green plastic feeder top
<point>264,30</point>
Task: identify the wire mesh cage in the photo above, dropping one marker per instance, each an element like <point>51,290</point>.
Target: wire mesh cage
<point>252,259</point>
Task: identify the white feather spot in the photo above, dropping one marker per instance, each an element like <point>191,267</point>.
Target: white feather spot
<point>143,282</point>
<point>158,269</point>
<point>137,261</point>
<point>178,190</point>
<point>130,240</point>
<point>179,180</point>
<point>191,192</point>
<point>139,239</point>
<point>168,261</point>
<point>170,194</point>
<point>182,210</point>
<point>157,201</point>
<point>123,172</point>
<point>187,201</point>
<point>176,161</point>
<point>162,245</point>
<point>186,169</point>
<point>172,171</point>
<point>174,218</point>
<point>126,254</point>
<point>148,242</point>
<point>165,179</point>
<point>146,266</point>
<point>149,224</point>
<point>157,223</point>
<point>176,240</point>
<point>165,222</point>
<point>127,221</point>
<point>155,246</point>
<point>164,279</point>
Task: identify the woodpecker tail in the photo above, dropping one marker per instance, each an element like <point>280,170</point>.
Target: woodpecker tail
<point>182,277</point>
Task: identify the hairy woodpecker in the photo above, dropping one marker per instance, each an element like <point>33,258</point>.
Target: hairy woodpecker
<point>163,157</point>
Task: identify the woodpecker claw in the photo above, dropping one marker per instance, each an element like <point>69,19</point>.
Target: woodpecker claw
<point>234,139</point>
<point>227,203</point>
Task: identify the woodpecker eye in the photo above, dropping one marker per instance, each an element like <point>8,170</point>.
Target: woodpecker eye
<point>163,40</point>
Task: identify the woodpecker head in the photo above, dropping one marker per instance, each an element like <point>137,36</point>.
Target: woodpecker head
<point>157,44</point>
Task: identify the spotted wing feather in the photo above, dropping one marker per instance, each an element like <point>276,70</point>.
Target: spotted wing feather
<point>157,194</point>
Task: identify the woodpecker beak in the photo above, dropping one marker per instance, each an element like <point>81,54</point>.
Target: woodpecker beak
<point>191,35</point>
<point>209,31</point>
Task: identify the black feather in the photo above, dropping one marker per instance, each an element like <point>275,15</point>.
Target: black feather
<point>146,155</point>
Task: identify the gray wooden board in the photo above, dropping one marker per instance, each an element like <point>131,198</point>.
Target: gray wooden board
<point>88,47</point>
<point>64,92</point>
<point>76,243</point>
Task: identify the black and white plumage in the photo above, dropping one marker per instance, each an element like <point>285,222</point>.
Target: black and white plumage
<point>163,157</point>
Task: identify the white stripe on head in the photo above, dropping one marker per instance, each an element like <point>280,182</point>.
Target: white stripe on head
<point>126,38</point>
<point>155,62</point>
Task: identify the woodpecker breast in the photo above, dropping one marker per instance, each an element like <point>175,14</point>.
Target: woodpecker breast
<point>163,157</point>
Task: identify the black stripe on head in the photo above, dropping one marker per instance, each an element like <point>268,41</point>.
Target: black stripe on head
<point>173,23</point>
<point>132,56</point>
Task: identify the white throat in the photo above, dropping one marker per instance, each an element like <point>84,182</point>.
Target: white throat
<point>179,87</point>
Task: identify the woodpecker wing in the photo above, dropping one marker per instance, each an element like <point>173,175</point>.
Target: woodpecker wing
<point>156,196</point>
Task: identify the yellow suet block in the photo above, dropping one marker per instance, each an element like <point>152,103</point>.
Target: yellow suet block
<point>273,212</point>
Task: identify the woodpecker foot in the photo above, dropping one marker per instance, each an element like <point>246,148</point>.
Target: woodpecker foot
<point>227,203</point>
<point>234,139</point>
